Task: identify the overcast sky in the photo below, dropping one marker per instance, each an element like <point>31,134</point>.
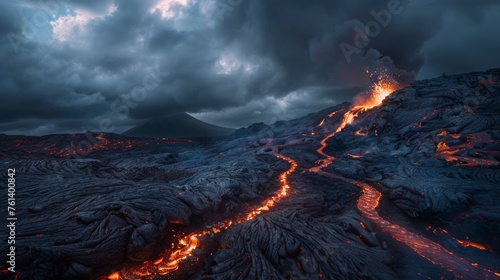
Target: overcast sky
<point>77,65</point>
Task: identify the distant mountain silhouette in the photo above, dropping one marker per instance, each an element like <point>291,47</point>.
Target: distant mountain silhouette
<point>179,125</point>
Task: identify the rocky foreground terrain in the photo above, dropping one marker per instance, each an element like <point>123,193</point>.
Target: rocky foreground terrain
<point>409,190</point>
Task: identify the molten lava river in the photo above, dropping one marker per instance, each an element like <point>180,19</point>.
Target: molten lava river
<point>170,261</point>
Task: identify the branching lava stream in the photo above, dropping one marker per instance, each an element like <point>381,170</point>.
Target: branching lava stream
<point>171,260</point>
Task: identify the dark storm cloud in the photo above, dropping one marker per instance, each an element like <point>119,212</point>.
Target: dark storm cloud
<point>270,109</point>
<point>96,6</point>
<point>125,61</point>
<point>467,41</point>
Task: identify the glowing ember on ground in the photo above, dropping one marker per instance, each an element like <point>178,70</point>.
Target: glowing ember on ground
<point>105,142</point>
<point>468,243</point>
<point>187,244</point>
<point>361,132</point>
<point>101,143</point>
<point>355,156</point>
<point>322,122</point>
<point>444,133</point>
<point>452,154</point>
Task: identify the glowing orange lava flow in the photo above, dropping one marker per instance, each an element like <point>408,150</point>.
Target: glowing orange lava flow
<point>282,193</point>
<point>443,151</point>
<point>467,243</point>
<point>184,249</point>
<point>101,143</point>
<point>377,93</point>
<point>432,251</point>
